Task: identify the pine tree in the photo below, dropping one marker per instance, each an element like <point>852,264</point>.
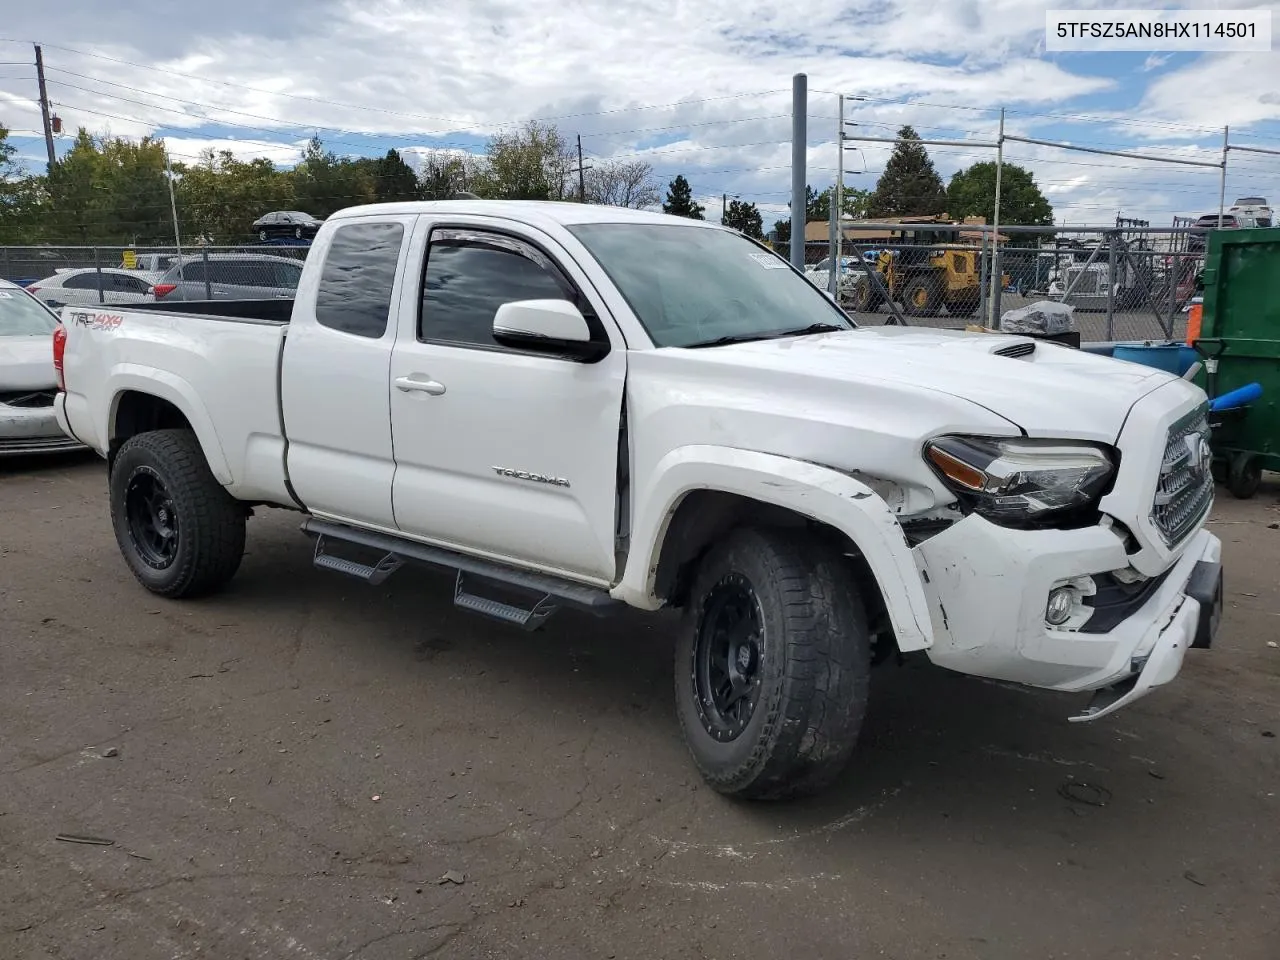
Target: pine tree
<point>909,186</point>
<point>680,200</point>
<point>744,216</point>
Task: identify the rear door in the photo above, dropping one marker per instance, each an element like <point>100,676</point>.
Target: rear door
<point>500,452</point>
<point>334,380</point>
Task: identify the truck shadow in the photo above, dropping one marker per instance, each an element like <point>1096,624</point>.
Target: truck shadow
<point>936,748</point>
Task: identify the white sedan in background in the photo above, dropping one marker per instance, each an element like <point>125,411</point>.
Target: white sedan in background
<point>28,381</point>
<point>79,287</point>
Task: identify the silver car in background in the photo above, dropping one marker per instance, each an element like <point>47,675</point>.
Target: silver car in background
<point>28,381</point>
<point>230,276</point>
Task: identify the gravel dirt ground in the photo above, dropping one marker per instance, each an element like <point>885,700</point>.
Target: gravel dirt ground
<point>291,768</point>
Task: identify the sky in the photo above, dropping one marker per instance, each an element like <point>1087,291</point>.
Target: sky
<point>694,87</point>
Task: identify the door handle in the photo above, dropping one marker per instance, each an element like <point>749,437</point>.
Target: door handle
<point>433,387</point>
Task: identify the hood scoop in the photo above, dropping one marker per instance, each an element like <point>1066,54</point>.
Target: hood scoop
<point>1017,350</point>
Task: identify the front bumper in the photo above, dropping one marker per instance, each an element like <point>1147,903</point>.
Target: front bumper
<point>988,587</point>
<point>29,430</point>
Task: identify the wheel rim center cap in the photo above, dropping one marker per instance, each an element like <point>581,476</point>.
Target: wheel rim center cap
<point>743,657</point>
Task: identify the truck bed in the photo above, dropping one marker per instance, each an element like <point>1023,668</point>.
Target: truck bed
<point>216,362</point>
<point>276,311</point>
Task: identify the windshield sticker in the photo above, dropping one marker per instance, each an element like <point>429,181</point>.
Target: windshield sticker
<point>768,261</point>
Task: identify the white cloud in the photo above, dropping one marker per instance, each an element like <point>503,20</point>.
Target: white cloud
<point>399,70</point>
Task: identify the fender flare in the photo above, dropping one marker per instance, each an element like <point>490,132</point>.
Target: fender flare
<point>136,378</point>
<point>821,493</point>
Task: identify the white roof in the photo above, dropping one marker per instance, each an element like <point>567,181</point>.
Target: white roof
<point>533,212</point>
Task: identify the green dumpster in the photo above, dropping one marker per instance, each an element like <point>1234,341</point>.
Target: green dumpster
<point>1241,331</point>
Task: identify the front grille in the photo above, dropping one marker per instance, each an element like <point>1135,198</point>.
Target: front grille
<point>27,398</point>
<point>1184,491</point>
<point>1017,350</point>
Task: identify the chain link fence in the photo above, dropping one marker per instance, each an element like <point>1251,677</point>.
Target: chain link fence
<point>1127,283</point>
<point>119,276</point>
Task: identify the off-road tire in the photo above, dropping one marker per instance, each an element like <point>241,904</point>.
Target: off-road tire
<point>932,300</point>
<point>814,667</point>
<point>210,522</point>
<point>866,297</point>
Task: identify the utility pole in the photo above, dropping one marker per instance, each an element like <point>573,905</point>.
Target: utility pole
<point>173,204</point>
<point>44,107</point>
<point>724,206</point>
<point>582,174</point>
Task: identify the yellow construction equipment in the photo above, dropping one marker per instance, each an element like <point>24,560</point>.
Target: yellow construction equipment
<point>923,274</point>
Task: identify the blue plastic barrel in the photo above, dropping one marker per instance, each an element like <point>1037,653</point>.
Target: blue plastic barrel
<point>1172,358</point>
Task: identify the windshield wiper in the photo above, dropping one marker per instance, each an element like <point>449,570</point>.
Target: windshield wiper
<point>768,335</point>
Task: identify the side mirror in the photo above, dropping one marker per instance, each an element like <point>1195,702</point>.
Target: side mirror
<point>547,326</point>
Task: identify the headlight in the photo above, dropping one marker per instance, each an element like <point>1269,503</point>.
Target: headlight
<point>1012,480</point>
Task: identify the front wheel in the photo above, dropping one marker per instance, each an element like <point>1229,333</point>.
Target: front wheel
<point>262,235</point>
<point>180,532</point>
<point>921,297</point>
<point>772,666</point>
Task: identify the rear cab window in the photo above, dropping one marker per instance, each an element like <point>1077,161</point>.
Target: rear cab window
<point>358,277</point>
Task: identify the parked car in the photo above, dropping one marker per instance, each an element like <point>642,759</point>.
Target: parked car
<point>81,286</point>
<point>230,276</point>
<point>589,406</point>
<point>286,223</point>
<point>28,381</point>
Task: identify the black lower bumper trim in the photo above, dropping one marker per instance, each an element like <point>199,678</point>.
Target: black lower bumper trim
<point>1205,587</point>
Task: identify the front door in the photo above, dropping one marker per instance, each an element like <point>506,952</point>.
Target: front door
<point>503,453</point>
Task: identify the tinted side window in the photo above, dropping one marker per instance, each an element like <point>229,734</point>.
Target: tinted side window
<point>193,271</point>
<point>467,281</point>
<point>359,274</point>
<point>87,281</point>
<point>124,284</point>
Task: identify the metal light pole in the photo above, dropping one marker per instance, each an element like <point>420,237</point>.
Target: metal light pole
<point>799,137</point>
<point>992,300</point>
<point>838,200</point>
<point>1222,179</point>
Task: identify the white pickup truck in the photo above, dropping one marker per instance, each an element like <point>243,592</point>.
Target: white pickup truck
<point>585,406</point>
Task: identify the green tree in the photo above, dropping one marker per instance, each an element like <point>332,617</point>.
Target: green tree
<point>744,216</point>
<point>854,201</point>
<point>909,186</point>
<point>324,183</point>
<point>445,174</point>
<point>817,206</point>
<point>972,192</point>
<point>532,163</point>
<point>394,179</point>
<point>21,196</point>
<point>782,229</point>
<point>220,197</point>
<point>679,200</point>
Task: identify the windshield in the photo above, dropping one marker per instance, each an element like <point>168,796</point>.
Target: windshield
<point>21,315</point>
<point>692,285</point>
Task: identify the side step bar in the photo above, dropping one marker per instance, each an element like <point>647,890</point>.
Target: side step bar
<point>551,591</point>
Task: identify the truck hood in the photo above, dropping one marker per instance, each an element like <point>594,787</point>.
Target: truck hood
<point>26,363</point>
<point>1051,390</point>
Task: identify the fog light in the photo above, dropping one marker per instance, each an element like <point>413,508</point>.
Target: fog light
<point>1058,609</point>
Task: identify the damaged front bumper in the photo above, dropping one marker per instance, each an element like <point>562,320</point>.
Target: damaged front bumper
<point>989,586</point>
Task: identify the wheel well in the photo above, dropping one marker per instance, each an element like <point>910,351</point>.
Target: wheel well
<point>139,413</point>
<point>704,517</point>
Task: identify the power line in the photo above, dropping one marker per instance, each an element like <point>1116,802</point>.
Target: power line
<point>383,110</point>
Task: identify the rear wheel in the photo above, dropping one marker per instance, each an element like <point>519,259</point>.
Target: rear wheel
<point>772,666</point>
<point>921,297</point>
<point>180,532</point>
